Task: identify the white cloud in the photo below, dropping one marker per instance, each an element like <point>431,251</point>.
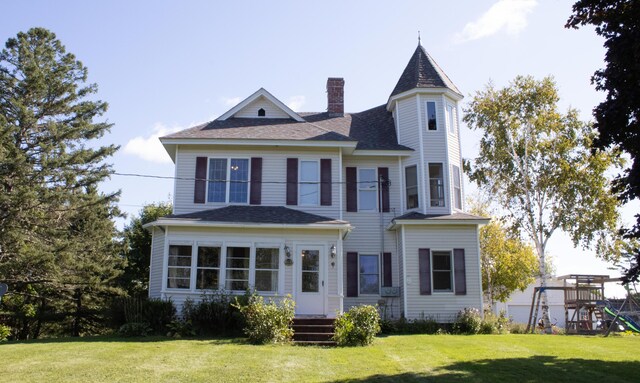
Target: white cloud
<point>230,101</point>
<point>507,15</point>
<point>296,102</point>
<point>150,148</point>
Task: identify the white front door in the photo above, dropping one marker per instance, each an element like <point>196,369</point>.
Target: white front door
<point>310,280</point>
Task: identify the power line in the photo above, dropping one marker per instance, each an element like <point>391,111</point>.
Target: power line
<point>241,181</point>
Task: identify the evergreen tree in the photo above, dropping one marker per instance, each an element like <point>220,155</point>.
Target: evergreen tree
<point>50,167</point>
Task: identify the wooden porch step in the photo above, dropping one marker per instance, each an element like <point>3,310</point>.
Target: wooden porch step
<point>313,331</point>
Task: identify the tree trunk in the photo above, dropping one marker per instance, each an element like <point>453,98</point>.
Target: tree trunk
<point>546,322</point>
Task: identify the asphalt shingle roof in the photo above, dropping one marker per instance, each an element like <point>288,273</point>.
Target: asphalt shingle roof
<point>423,72</point>
<point>455,216</point>
<point>255,214</point>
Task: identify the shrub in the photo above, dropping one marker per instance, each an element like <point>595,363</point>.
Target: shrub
<point>132,329</point>
<point>357,327</point>
<point>492,324</point>
<point>517,328</point>
<point>156,313</point>
<point>180,329</point>
<point>267,322</point>
<point>215,314</point>
<point>468,321</point>
<point>425,325</point>
<point>5,331</point>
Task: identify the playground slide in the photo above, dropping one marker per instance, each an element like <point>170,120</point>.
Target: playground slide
<point>631,325</point>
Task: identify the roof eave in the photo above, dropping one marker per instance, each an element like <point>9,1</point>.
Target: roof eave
<point>430,91</point>
<point>435,221</point>
<point>253,225</point>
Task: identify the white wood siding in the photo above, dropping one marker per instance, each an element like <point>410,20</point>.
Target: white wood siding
<point>274,176</point>
<point>409,136</point>
<point>271,110</point>
<point>157,257</point>
<point>455,154</point>
<point>442,306</point>
<point>435,150</point>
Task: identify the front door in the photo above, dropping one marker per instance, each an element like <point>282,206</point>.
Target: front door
<point>310,280</point>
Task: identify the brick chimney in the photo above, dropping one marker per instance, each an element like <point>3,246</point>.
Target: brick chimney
<point>335,96</point>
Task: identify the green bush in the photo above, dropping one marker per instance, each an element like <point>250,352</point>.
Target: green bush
<point>5,331</point>
<point>156,313</point>
<point>426,325</point>
<point>267,322</point>
<point>215,313</point>
<point>180,329</point>
<point>494,324</point>
<point>468,321</point>
<point>357,327</point>
<point>132,329</point>
<point>517,328</point>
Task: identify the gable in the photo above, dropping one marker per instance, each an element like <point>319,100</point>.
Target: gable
<point>251,110</point>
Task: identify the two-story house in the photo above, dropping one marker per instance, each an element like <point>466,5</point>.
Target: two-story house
<point>337,209</point>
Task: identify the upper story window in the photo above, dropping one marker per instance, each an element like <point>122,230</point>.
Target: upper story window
<point>457,190</point>
<point>228,180</point>
<point>309,185</point>
<point>261,112</point>
<point>367,189</point>
<point>450,119</point>
<point>431,116</point>
<point>436,185</point>
<point>411,185</point>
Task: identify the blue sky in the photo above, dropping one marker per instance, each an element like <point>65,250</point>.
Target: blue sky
<point>167,65</point>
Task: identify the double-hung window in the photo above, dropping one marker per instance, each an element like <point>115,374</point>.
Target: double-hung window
<point>309,185</point>
<point>208,269</point>
<point>432,123</point>
<point>411,186</point>
<point>450,119</point>
<point>369,270</point>
<point>228,180</point>
<point>436,185</point>
<point>266,269</point>
<point>457,190</point>
<point>367,189</point>
<point>179,267</point>
<point>238,266</point>
<point>442,271</point>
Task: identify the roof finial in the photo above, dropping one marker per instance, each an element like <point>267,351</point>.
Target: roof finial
<point>418,37</point>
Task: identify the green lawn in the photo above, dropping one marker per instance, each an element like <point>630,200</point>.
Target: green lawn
<point>442,358</point>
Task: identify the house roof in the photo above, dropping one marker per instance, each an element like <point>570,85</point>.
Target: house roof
<point>372,129</point>
<point>415,218</point>
<point>423,72</point>
<point>254,215</point>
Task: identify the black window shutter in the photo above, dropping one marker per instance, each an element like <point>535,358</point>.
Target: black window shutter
<point>352,189</point>
<point>383,174</point>
<point>200,187</point>
<point>460,272</point>
<point>424,264</point>
<point>386,268</point>
<point>352,274</point>
<point>292,181</point>
<point>255,193</point>
<point>325,182</point>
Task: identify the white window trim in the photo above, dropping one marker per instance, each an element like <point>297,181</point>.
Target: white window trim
<point>453,187</point>
<point>253,268</point>
<point>228,180</point>
<point>300,182</point>
<point>444,186</point>
<point>358,183</point>
<point>379,276</point>
<point>449,116</point>
<point>165,283</point>
<point>252,257</point>
<point>194,262</point>
<point>405,188</point>
<point>426,114</point>
<point>452,272</point>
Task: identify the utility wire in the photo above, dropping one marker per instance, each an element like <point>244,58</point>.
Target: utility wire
<point>240,181</point>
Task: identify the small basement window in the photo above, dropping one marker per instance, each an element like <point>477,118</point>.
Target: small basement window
<point>261,112</point>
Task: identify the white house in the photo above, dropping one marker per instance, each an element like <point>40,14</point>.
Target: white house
<point>337,209</point>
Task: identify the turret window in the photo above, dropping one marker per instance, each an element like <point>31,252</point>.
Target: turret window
<point>436,185</point>
<point>457,190</point>
<point>411,185</point>
<point>450,119</point>
<point>431,116</point>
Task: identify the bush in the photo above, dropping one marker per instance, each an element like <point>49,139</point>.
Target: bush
<point>134,329</point>
<point>156,313</point>
<point>5,331</point>
<point>267,322</point>
<point>357,327</point>
<point>468,321</point>
<point>492,324</point>
<point>517,328</point>
<point>215,314</point>
<point>180,329</point>
<point>425,325</point>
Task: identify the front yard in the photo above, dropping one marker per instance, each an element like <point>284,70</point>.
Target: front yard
<point>445,358</point>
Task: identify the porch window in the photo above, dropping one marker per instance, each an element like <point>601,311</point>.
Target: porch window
<point>309,189</point>
<point>457,190</point>
<point>442,271</point>
<point>228,180</point>
<point>179,268</point>
<point>267,265</point>
<point>411,185</point>
<point>238,260</point>
<point>208,269</point>
<point>369,267</point>
<point>436,185</point>
<point>367,189</point>
<point>431,116</point>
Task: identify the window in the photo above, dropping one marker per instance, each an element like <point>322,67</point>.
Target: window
<point>436,185</point>
<point>450,119</point>
<point>238,259</point>
<point>367,189</point>
<point>261,112</point>
<point>236,189</point>
<point>369,274</point>
<point>442,271</point>
<point>411,184</point>
<point>208,269</point>
<point>179,268</point>
<point>267,265</point>
<point>431,116</point>
<point>309,186</point>
<point>457,191</point>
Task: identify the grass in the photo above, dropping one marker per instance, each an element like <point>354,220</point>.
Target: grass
<point>442,358</point>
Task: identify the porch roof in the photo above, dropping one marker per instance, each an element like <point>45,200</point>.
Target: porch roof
<point>458,218</point>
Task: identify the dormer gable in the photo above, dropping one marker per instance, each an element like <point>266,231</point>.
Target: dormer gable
<point>261,104</point>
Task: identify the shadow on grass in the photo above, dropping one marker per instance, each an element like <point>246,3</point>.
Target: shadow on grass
<point>146,339</point>
<point>543,369</point>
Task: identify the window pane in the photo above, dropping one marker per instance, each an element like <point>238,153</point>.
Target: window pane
<point>180,256</point>
<point>411,181</point>
<point>177,283</point>
<point>310,282</point>
<point>436,185</point>
<point>237,285</point>
<point>310,260</point>
<point>237,275</point>
<point>450,119</point>
<point>369,284</point>
<point>369,264</point>
<point>208,257</point>
<point>179,272</point>
<point>266,280</point>
<point>308,194</point>
<point>367,178</point>
<point>207,279</point>
<point>238,176</point>
<point>442,280</point>
<point>367,199</point>
<point>309,171</point>
<point>431,115</point>
<point>267,258</point>
<point>457,190</point>
<point>441,261</point>
<point>217,180</point>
